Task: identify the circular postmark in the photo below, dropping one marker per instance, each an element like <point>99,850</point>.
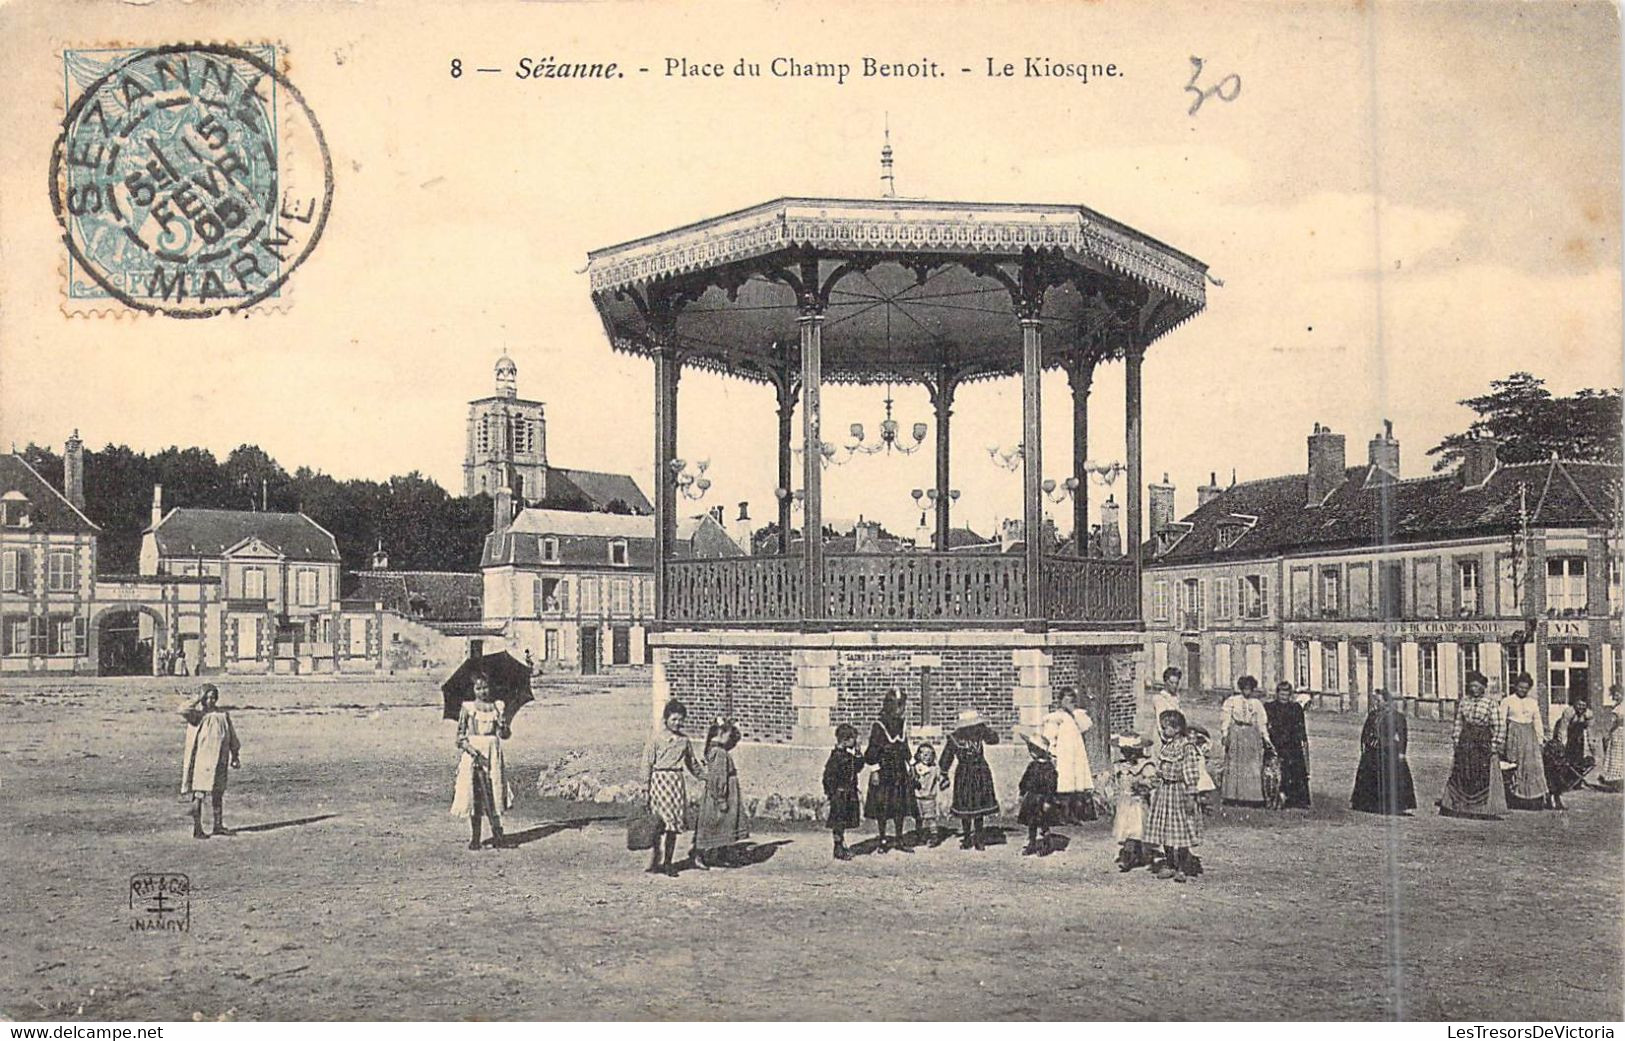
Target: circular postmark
<point>190,180</point>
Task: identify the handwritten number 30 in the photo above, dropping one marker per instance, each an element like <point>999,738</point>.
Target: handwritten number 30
<point>1227,89</point>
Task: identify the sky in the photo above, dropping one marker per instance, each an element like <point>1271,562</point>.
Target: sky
<point>1403,202</point>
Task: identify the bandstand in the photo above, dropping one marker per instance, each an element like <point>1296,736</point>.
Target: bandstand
<point>797,293</point>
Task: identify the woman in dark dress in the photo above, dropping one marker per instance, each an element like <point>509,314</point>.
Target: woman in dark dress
<point>891,786</point>
<point>974,797</point>
<point>1382,783</point>
<point>1475,789</point>
<point>1567,759</point>
<point>1290,737</point>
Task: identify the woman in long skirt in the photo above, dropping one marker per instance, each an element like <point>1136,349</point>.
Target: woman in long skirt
<point>481,788</point>
<point>1290,738</point>
<point>722,812</point>
<point>1611,778</point>
<point>1174,822</point>
<point>1244,734</point>
<point>1063,731</point>
<point>665,759</point>
<point>974,797</point>
<point>1522,741</point>
<point>1382,782</point>
<point>891,787</point>
<point>1475,789</point>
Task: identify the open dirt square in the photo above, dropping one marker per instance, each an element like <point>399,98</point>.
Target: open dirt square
<point>349,893</point>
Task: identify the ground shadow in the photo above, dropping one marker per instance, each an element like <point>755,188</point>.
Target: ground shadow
<point>542,831</point>
<point>296,822</point>
<point>746,854</point>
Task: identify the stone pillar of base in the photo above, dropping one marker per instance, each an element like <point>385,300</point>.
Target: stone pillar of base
<point>813,696</point>
<point>1031,694</point>
<point>659,685</point>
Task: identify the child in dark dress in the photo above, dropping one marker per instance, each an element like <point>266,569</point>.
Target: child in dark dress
<point>841,787</point>
<point>974,797</point>
<point>1040,805</point>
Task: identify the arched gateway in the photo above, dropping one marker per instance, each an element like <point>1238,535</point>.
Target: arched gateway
<point>799,292</point>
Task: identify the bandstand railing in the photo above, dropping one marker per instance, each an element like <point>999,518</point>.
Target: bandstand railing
<point>865,590</point>
<point>733,589</point>
<point>1091,589</point>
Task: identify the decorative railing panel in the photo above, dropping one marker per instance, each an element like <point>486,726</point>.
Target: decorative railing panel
<point>924,587</point>
<point>1092,589</point>
<point>734,589</point>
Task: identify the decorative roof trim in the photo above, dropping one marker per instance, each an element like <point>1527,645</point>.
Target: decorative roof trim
<point>53,490</point>
<point>912,226</point>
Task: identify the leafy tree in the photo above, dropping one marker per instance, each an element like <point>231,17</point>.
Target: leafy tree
<point>1530,424</point>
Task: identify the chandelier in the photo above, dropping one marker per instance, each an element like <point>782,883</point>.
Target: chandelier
<point>691,485</point>
<point>1102,473</point>
<point>890,440</point>
<point>929,496</point>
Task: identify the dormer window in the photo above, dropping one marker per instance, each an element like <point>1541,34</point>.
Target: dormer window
<point>1229,533</point>
<point>550,550</point>
<point>14,510</point>
<point>617,552</point>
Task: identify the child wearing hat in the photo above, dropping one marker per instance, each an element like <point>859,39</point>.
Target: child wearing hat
<point>928,781</point>
<point>1205,787</point>
<point>974,797</point>
<point>1134,777</point>
<point>1040,805</point>
<point>841,787</point>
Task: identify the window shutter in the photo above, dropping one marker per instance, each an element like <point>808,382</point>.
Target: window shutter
<point>25,572</point>
<point>1264,596</point>
<point>38,634</point>
<point>8,571</point>
<point>81,636</point>
<point>1201,603</point>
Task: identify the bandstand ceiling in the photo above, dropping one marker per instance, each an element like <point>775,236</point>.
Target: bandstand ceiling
<point>910,288</point>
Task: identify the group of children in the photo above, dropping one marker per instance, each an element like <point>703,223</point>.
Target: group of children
<point>1159,800</point>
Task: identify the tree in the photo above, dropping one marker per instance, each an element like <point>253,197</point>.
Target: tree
<point>1530,424</point>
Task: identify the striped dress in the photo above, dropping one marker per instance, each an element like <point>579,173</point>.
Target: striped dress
<point>1174,820</point>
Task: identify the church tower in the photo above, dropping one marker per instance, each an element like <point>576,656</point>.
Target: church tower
<point>507,441</point>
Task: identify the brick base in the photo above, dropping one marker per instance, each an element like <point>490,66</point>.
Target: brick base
<point>795,688</point>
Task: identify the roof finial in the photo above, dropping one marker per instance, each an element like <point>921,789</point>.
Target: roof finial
<point>888,182</point>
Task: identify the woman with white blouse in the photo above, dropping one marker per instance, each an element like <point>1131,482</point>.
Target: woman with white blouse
<point>1244,735</point>
<point>1523,735</point>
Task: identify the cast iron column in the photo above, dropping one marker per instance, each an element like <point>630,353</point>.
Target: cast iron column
<point>1131,393</point>
<point>942,396</point>
<point>786,391</point>
<point>666,367</point>
<point>1032,463</point>
<point>1080,376</point>
<point>811,322</point>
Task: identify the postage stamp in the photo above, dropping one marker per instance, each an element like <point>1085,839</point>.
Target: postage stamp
<point>190,180</point>
<point>160,902</point>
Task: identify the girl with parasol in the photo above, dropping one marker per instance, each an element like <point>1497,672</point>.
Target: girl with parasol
<point>481,787</point>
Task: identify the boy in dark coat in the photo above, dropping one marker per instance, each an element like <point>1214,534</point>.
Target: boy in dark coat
<point>841,787</point>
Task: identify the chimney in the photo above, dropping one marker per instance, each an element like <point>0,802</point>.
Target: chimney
<point>716,515</point>
<point>73,470</point>
<point>1326,464</point>
<point>1385,450</point>
<point>157,504</point>
<point>1111,532</point>
<point>1160,499</point>
<point>1478,462</point>
<point>1009,534</point>
<point>866,537</point>
<point>502,510</point>
<point>741,530</point>
<point>1209,491</point>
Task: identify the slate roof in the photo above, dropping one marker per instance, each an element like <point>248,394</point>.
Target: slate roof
<point>583,538</point>
<point>592,490</point>
<point>1369,509</point>
<point>189,532</point>
<point>433,596</point>
<point>48,509</point>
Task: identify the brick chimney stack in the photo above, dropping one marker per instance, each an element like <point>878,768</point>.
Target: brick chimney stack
<point>1385,450</point>
<point>1478,462</point>
<point>157,504</point>
<point>73,470</point>
<point>1209,491</point>
<point>1160,498</point>
<point>502,510</point>
<point>1327,452</point>
<point>1111,532</point>
<point>741,530</point>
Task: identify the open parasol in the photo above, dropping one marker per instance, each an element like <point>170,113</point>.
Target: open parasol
<point>508,676</point>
